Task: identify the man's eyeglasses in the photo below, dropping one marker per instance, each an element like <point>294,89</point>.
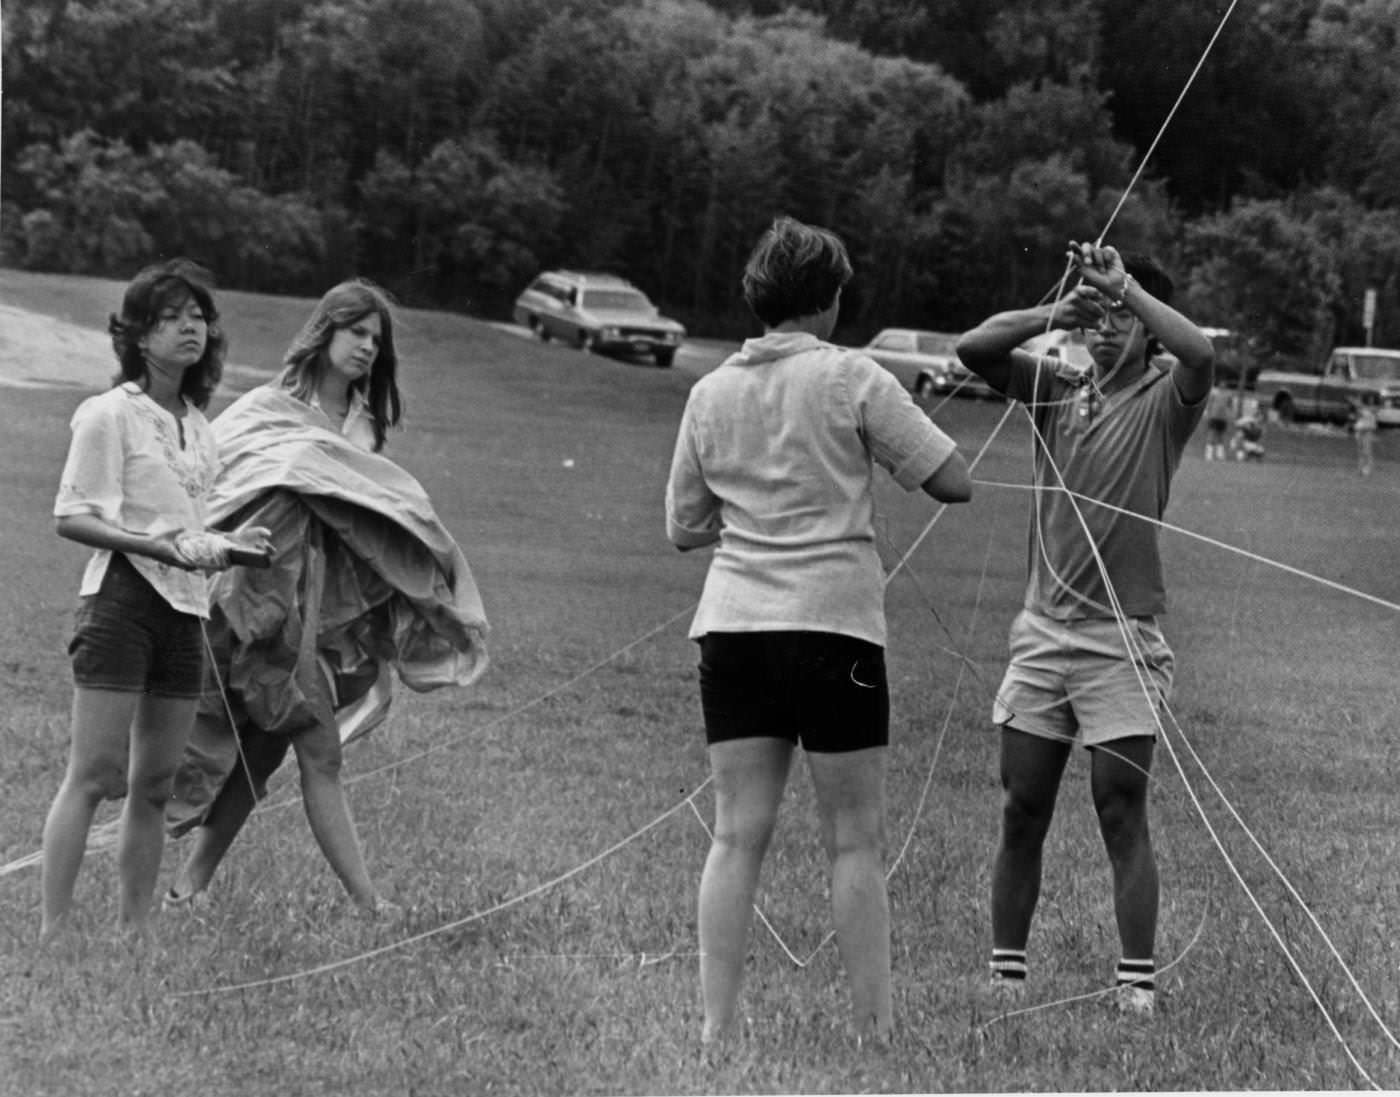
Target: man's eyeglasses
<point>1116,320</point>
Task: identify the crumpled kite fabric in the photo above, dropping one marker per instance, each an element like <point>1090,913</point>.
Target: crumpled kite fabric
<point>364,578</point>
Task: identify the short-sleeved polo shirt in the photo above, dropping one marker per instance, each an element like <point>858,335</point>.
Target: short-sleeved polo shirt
<point>1122,450</point>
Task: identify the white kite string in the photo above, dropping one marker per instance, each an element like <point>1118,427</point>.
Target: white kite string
<point>476,916</point>
<point>1215,543</point>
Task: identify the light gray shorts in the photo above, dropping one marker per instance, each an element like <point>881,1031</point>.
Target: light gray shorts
<point>1075,681</point>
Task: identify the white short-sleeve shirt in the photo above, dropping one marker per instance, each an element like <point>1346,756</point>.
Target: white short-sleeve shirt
<point>129,465</point>
<point>776,454</point>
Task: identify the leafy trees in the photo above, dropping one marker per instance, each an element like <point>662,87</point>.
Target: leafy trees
<point>1265,271</point>
<point>452,147</point>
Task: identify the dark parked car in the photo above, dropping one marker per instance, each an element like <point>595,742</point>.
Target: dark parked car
<point>597,312</point>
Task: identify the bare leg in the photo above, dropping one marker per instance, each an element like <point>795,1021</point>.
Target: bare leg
<point>1120,798</point>
<point>162,726</point>
<point>850,791</point>
<point>1031,767</point>
<point>319,757</point>
<point>229,811</point>
<point>97,757</point>
<point>750,775</point>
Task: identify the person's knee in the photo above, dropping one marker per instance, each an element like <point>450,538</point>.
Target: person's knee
<point>98,779</point>
<point>1122,816</point>
<point>744,837</point>
<point>153,787</point>
<point>319,756</point>
<point>1025,817</point>
<point>854,832</point>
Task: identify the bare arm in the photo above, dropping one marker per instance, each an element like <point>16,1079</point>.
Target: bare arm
<point>95,532</point>
<point>89,529</point>
<point>1194,372</point>
<point>952,483</point>
<point>992,349</point>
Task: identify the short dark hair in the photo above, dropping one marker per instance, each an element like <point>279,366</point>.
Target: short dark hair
<point>794,270</point>
<point>1150,275</point>
<point>155,288</point>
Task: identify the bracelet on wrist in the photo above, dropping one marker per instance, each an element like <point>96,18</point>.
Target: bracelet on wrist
<point>1117,302</point>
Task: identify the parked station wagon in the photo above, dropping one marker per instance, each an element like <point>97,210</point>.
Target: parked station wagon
<point>597,312</point>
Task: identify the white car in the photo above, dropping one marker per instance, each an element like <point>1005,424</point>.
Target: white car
<point>1066,344</point>
<point>926,362</point>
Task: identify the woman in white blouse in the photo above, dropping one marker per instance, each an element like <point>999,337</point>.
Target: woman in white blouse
<point>774,462</point>
<point>139,466</point>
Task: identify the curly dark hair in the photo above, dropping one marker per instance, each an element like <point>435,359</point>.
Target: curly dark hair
<point>794,270</point>
<point>156,288</point>
<point>305,362</point>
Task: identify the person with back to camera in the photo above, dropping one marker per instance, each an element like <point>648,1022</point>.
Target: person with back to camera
<point>364,578</point>
<point>1114,434</point>
<point>133,487</point>
<point>774,462</point>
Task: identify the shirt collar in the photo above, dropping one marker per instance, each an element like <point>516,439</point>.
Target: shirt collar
<point>776,344</point>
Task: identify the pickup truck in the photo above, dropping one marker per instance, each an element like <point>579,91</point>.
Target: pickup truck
<point>1351,375</point>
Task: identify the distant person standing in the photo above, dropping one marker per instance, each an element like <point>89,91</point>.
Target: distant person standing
<point>140,465</point>
<point>1364,425</point>
<point>1220,412</point>
<point>774,462</point>
<point>1088,662</point>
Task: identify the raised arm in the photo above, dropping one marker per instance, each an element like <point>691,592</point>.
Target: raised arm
<point>1194,371</point>
<point>992,349</point>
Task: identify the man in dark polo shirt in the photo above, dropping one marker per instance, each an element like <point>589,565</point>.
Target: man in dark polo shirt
<point>1088,661</point>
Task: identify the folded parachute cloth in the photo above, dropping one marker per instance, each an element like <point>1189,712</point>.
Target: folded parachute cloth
<point>363,576</point>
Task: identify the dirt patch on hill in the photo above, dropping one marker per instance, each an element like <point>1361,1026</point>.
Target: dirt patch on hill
<point>38,351</point>
<point>44,352</point>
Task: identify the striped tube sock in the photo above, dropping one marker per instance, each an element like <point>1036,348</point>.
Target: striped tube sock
<point>1138,973</point>
<point>1009,965</point>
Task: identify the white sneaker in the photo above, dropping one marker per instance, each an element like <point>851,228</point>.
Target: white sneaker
<point>1136,1001</point>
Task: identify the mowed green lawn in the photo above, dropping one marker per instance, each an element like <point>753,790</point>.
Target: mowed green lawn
<point>549,466</point>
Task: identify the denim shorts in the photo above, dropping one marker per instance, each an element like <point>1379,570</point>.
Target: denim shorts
<point>823,690</point>
<point>1074,680</point>
<point>127,637</point>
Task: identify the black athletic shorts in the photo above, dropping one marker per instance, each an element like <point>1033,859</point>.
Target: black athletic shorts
<point>823,690</point>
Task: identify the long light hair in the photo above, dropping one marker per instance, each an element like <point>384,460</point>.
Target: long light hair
<point>305,362</point>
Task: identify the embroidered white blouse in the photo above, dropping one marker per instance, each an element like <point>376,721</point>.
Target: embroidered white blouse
<point>127,465</point>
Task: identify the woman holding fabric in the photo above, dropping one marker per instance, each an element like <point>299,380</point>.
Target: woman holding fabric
<point>134,486</point>
<point>364,577</point>
<point>774,462</point>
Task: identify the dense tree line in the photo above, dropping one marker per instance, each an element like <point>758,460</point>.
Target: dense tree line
<point>451,148</point>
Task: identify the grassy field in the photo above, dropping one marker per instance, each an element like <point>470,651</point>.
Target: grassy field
<point>549,466</point>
